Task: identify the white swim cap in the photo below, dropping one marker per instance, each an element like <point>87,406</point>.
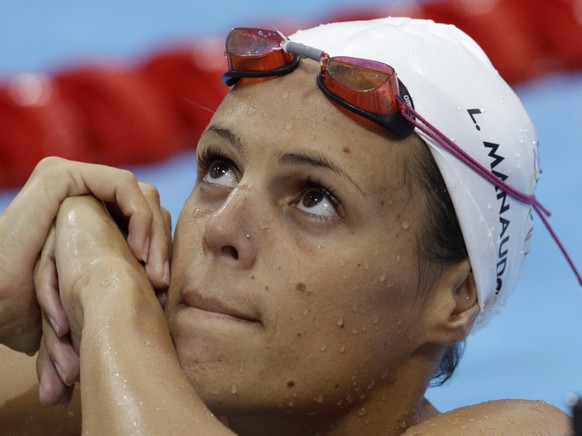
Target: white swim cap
<point>455,88</point>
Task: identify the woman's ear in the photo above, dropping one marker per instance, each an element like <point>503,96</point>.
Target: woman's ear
<point>452,305</point>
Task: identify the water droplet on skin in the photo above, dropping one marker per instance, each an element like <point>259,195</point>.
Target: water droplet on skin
<point>341,261</point>
<point>263,225</point>
<point>382,277</point>
<point>233,389</point>
<point>252,110</point>
<point>362,412</point>
<point>319,399</point>
<point>305,311</point>
<point>340,322</point>
<point>285,94</point>
<point>342,349</point>
<point>289,125</point>
<point>405,224</point>
<point>354,332</point>
<point>324,348</point>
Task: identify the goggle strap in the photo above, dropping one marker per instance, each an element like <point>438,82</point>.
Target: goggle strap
<point>431,131</point>
<point>303,50</point>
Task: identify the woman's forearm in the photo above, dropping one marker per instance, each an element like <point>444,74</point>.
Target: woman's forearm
<point>131,380</point>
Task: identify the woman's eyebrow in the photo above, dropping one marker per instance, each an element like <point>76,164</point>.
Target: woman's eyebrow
<point>318,161</point>
<point>229,136</point>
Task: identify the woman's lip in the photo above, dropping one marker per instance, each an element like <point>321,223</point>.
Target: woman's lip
<point>212,304</point>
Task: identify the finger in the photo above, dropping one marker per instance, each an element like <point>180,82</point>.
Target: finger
<point>47,287</point>
<point>52,390</point>
<point>158,267</point>
<point>163,294</point>
<point>62,354</point>
<point>55,179</point>
<point>168,222</point>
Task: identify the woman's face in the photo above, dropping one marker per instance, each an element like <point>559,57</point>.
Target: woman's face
<point>295,273</point>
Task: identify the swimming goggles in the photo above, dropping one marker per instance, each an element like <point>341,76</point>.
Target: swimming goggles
<point>367,88</point>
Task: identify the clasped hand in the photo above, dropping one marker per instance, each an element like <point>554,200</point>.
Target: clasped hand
<point>31,307</point>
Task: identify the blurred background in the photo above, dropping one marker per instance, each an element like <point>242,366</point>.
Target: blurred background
<point>68,66</point>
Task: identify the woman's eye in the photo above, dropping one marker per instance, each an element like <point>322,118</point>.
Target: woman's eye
<point>318,201</point>
<point>221,172</point>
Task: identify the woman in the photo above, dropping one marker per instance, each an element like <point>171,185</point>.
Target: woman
<point>323,272</point>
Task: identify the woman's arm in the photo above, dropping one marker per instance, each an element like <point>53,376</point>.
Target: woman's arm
<point>131,380</point>
<point>512,417</point>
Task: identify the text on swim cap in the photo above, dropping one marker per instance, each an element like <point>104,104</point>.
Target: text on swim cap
<point>504,206</point>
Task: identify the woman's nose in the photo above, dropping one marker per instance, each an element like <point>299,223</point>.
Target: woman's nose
<point>227,234</point>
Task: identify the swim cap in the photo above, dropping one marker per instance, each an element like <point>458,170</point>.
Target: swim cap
<point>455,87</point>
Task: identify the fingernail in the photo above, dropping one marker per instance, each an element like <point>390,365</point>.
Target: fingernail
<point>55,326</point>
<point>166,277</point>
<point>62,375</point>
<point>146,250</point>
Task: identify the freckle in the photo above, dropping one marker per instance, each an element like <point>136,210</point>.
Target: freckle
<point>266,288</point>
<point>382,203</point>
<point>252,277</point>
<point>336,386</point>
<point>301,287</point>
<point>290,384</point>
<point>346,149</point>
<point>299,334</point>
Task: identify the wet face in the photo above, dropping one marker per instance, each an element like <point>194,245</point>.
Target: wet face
<point>294,276</point>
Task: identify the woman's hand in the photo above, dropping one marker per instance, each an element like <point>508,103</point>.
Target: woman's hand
<point>130,371</point>
<point>89,248</point>
<point>24,228</point>
<point>58,361</point>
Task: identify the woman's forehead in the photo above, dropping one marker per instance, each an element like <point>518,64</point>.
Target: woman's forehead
<point>293,107</point>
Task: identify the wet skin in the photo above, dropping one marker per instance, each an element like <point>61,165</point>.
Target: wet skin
<point>295,275</point>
